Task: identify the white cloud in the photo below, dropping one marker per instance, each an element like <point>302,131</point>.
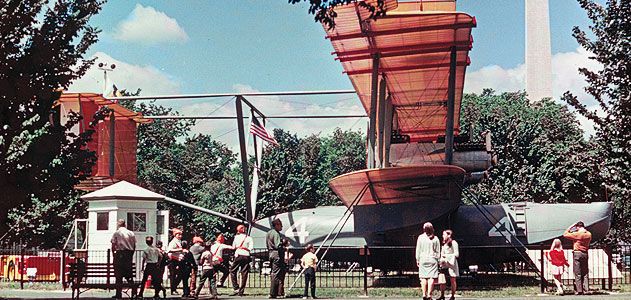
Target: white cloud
<point>565,77</point>
<point>149,26</point>
<point>226,130</point>
<point>126,76</point>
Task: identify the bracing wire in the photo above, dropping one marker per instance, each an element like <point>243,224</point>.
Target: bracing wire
<point>495,225</point>
<point>347,214</point>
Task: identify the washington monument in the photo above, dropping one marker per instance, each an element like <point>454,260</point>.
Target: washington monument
<point>538,52</point>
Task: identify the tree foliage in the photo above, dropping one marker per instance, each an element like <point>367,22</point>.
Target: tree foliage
<point>611,88</point>
<point>41,50</point>
<point>324,12</point>
<point>296,174</point>
<point>542,154</point>
<point>195,169</point>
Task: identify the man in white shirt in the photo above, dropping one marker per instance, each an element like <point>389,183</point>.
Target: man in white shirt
<point>123,246</point>
<point>221,265</point>
<point>243,245</point>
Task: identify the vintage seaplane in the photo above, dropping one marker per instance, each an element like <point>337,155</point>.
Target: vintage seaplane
<point>408,69</point>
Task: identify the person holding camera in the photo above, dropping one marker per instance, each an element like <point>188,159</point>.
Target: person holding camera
<point>581,238</point>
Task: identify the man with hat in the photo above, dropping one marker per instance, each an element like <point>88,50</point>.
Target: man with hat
<point>581,238</point>
<point>243,245</point>
<point>174,251</point>
<point>123,246</point>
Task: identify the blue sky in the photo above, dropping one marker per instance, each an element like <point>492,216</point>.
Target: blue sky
<point>168,47</point>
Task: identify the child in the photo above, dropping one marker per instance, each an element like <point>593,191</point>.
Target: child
<point>309,261</point>
<point>187,265</point>
<point>206,261</point>
<point>449,264</point>
<point>162,263</point>
<point>150,260</point>
<point>558,261</point>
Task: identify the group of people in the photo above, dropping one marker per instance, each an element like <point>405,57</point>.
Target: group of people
<point>437,260</point>
<point>206,259</point>
<point>186,262</point>
<point>183,262</point>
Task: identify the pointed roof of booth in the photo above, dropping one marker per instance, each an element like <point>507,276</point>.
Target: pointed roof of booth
<point>123,190</point>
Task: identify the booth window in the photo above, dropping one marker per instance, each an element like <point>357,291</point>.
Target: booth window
<point>102,220</point>
<point>137,221</point>
<point>160,227</point>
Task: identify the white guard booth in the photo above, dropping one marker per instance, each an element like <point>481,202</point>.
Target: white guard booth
<point>134,204</point>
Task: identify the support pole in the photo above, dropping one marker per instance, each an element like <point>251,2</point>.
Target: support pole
<point>366,270</point>
<point>451,100</point>
<point>112,142</point>
<point>21,267</point>
<point>373,112</point>
<point>541,265</point>
<point>387,133</point>
<point>381,111</point>
<point>107,272</point>
<point>609,266</point>
<point>244,159</point>
<point>62,270</point>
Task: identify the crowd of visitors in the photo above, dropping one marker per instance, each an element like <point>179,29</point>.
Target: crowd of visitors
<point>436,261</point>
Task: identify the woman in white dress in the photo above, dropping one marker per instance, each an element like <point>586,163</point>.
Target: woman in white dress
<point>449,261</point>
<point>427,254</point>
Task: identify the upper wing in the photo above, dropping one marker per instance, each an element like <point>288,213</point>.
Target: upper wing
<point>414,44</point>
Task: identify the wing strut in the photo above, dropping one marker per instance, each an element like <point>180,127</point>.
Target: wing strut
<point>487,215</point>
<point>205,210</point>
<point>347,214</point>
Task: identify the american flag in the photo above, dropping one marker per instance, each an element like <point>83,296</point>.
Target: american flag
<point>257,129</point>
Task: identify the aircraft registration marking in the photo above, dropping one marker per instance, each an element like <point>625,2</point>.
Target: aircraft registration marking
<point>298,230</point>
<point>503,228</point>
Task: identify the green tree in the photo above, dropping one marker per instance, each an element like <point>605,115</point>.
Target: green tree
<point>542,154</point>
<point>296,174</point>
<point>41,50</point>
<point>611,88</point>
<point>342,152</point>
<point>281,180</point>
<point>195,169</point>
<point>323,10</point>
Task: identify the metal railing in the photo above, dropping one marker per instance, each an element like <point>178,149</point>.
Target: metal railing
<point>351,268</point>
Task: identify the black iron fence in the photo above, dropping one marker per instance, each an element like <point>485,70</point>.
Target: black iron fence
<point>358,268</point>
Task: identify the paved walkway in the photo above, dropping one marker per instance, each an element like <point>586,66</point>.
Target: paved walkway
<point>98,294</point>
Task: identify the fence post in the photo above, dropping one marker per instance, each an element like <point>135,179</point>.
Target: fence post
<point>62,269</point>
<point>107,278</point>
<point>21,267</point>
<point>366,270</point>
<point>541,273</point>
<point>609,265</point>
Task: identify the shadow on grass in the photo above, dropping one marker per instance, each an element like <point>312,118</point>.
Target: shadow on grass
<point>476,283</point>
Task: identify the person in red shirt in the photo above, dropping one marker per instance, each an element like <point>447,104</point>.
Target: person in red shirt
<point>581,238</point>
<point>558,261</point>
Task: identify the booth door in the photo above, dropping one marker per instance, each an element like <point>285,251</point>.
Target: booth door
<point>162,226</point>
